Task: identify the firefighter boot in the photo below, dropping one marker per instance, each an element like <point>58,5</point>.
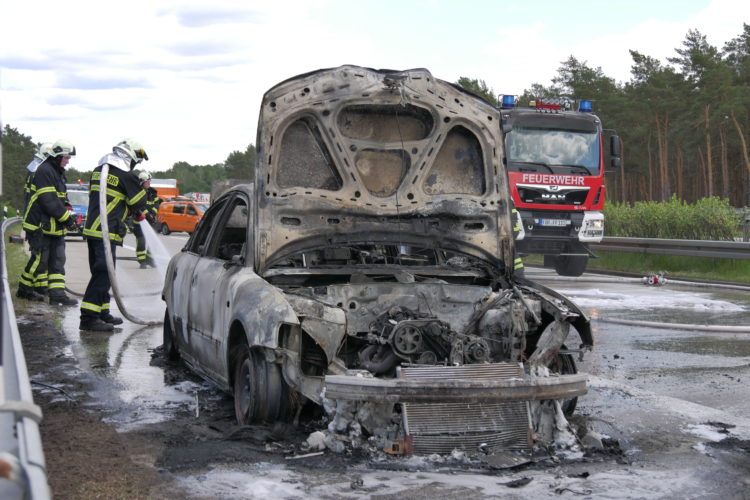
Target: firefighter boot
<point>112,320</point>
<point>94,324</point>
<point>60,299</point>
<point>29,294</point>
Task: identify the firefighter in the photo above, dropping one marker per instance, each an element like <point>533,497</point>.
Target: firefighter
<point>517,261</point>
<point>124,193</point>
<point>142,255</point>
<point>34,288</point>
<point>45,221</point>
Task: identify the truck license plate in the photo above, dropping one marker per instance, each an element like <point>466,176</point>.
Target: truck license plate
<point>552,222</point>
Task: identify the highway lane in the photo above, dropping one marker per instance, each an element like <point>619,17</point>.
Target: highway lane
<point>670,397</point>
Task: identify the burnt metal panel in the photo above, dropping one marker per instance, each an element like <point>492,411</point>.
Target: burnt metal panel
<point>446,389</point>
<point>355,166</point>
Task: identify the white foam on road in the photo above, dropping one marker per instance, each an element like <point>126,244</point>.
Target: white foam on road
<point>650,299</point>
<point>267,480</point>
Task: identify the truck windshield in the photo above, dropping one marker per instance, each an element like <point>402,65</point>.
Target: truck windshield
<point>552,148</point>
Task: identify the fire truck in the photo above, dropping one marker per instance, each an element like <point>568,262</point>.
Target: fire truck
<point>555,159</point>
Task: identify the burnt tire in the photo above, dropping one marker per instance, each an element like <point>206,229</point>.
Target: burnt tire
<point>570,265</point>
<point>565,364</point>
<point>164,229</point>
<point>169,341</point>
<point>260,392</point>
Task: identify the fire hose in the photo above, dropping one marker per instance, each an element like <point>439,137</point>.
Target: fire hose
<point>660,324</point>
<point>108,251</point>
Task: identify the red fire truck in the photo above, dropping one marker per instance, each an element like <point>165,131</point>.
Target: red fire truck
<point>555,162</point>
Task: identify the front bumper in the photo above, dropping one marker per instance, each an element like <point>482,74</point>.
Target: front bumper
<point>455,389</point>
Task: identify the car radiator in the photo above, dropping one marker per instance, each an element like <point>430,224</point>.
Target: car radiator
<point>443,427</point>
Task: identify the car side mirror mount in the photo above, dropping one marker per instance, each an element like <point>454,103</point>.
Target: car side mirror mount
<point>236,260</point>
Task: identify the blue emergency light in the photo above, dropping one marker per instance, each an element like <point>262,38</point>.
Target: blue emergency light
<point>509,101</point>
<point>584,106</point>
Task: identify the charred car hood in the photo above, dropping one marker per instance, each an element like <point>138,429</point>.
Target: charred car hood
<point>350,155</point>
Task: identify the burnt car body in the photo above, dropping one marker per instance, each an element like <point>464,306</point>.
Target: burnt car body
<point>370,266</point>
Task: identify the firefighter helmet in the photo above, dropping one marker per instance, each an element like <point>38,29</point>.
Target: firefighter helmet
<point>63,148</point>
<point>132,149</point>
<point>44,150</point>
<point>144,177</point>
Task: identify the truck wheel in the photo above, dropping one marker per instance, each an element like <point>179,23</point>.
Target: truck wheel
<point>164,229</point>
<point>260,392</point>
<point>570,266</point>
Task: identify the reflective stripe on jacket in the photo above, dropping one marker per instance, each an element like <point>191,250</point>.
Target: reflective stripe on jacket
<point>123,191</point>
<point>46,208</point>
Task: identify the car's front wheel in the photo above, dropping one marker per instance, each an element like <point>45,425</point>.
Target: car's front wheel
<point>565,364</point>
<point>260,392</point>
<point>164,229</point>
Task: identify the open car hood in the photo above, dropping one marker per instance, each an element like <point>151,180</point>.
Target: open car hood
<point>351,155</point>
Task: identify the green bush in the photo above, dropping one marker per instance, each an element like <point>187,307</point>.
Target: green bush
<point>707,219</point>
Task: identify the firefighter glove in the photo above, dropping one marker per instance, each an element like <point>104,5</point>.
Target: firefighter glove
<point>70,224</point>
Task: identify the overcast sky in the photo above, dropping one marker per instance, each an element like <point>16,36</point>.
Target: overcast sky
<point>186,78</point>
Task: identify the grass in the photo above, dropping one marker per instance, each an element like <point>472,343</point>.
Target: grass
<point>15,261</point>
<point>731,270</point>
<point>677,267</point>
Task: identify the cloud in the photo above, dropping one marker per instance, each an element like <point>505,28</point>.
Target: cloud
<point>100,103</point>
<point>204,47</point>
<point>23,62</point>
<point>100,82</point>
<point>199,16</point>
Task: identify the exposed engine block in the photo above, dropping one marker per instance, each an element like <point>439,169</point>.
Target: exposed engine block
<point>401,335</point>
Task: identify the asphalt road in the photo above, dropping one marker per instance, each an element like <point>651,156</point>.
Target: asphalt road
<point>675,402</point>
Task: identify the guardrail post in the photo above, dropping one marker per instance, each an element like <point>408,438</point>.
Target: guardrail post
<point>746,227</point>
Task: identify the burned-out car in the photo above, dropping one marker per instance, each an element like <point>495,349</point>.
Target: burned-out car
<point>368,269</point>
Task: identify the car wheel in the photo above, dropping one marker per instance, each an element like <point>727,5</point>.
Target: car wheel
<point>564,364</point>
<point>260,392</point>
<point>170,340</point>
<point>164,229</point>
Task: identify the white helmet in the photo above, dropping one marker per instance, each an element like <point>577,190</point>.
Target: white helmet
<point>132,149</point>
<point>63,148</point>
<point>44,150</point>
<point>144,177</point>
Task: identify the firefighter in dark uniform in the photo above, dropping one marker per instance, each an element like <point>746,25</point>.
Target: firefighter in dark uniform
<point>142,255</point>
<point>45,221</point>
<point>517,226</point>
<point>34,288</point>
<point>124,193</point>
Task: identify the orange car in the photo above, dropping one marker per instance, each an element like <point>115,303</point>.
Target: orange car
<point>179,215</point>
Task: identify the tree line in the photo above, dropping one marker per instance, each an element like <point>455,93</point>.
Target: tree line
<point>683,124</point>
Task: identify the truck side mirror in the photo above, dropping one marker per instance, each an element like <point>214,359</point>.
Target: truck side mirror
<point>614,146</point>
<point>615,162</point>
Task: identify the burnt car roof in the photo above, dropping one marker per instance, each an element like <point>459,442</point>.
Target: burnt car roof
<point>352,154</point>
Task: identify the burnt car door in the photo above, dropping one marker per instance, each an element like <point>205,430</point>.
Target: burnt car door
<point>210,287</point>
<point>181,274</point>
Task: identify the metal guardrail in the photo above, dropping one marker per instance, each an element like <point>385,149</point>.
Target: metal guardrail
<point>21,451</point>
<point>685,248</point>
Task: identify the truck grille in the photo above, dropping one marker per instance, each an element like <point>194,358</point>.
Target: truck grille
<point>541,195</point>
<point>443,427</point>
